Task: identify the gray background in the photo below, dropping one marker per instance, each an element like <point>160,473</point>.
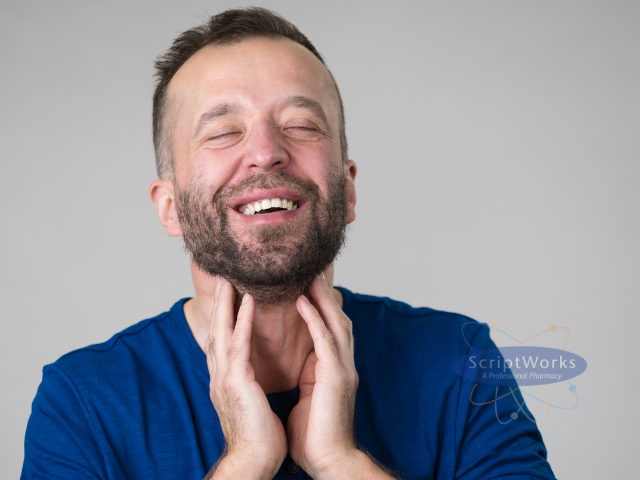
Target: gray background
<point>498,154</point>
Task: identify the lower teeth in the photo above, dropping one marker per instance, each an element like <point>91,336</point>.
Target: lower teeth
<point>271,210</point>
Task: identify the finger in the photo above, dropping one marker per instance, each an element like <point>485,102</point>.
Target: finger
<point>241,342</point>
<point>334,318</point>
<point>211,360</point>
<point>213,325</point>
<point>308,375</point>
<point>222,322</point>
<point>323,343</point>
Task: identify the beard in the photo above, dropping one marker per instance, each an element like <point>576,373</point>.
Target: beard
<point>280,261</point>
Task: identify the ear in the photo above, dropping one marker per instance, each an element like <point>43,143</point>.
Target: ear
<point>350,171</point>
<point>162,195</point>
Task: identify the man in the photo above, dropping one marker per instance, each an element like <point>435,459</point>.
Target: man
<point>269,371</point>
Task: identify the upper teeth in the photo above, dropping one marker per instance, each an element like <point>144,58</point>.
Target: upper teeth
<point>252,208</point>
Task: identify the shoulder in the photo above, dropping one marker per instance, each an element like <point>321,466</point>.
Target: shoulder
<point>122,351</point>
<point>373,315</point>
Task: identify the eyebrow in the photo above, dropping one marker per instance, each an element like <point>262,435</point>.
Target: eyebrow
<point>308,104</point>
<point>297,101</point>
<point>216,112</point>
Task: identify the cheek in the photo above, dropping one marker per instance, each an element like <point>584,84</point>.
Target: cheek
<point>210,172</point>
<point>316,163</point>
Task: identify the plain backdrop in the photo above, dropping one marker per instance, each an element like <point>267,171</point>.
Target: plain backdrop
<point>499,162</point>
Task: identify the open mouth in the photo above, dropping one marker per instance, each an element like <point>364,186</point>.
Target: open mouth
<point>267,205</point>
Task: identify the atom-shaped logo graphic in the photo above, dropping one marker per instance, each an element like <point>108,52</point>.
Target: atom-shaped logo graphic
<point>534,361</point>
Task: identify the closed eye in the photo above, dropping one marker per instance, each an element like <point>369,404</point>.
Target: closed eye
<point>224,131</point>
<point>302,129</point>
<point>224,136</point>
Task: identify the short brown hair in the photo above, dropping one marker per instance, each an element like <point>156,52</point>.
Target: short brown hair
<point>228,27</point>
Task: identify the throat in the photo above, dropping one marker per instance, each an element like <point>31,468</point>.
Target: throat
<point>276,378</point>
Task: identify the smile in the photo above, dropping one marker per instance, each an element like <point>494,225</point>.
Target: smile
<point>268,206</point>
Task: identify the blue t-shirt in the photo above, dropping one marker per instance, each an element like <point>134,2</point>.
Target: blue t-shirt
<point>138,407</point>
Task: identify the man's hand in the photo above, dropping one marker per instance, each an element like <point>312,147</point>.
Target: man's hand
<point>320,427</point>
<point>256,441</point>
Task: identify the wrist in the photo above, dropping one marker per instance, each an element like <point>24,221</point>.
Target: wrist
<point>234,466</point>
<point>350,465</point>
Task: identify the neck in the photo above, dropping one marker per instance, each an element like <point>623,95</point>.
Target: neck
<point>280,339</point>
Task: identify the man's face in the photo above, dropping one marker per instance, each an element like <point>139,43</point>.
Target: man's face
<point>258,121</point>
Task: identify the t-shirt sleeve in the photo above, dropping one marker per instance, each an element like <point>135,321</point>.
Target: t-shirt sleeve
<point>497,439</point>
<point>60,441</point>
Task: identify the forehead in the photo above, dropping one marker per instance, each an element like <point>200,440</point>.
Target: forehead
<point>257,73</point>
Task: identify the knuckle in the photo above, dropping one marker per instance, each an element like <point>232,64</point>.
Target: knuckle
<point>348,324</point>
<point>227,389</point>
<point>214,395</point>
<point>233,351</point>
<point>216,387</point>
<point>212,367</point>
<point>210,344</point>
<point>348,333</point>
<point>327,336</point>
<point>214,402</point>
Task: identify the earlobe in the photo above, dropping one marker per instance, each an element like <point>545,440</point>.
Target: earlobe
<point>350,171</point>
<point>162,195</point>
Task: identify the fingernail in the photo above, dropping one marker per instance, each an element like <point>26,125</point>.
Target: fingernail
<point>217,278</point>
<point>245,298</point>
<point>304,297</point>
<point>223,281</point>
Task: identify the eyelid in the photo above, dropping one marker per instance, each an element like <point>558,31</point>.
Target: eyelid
<point>218,132</point>
<point>302,123</point>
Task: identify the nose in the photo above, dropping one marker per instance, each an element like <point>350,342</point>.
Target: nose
<point>265,150</point>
